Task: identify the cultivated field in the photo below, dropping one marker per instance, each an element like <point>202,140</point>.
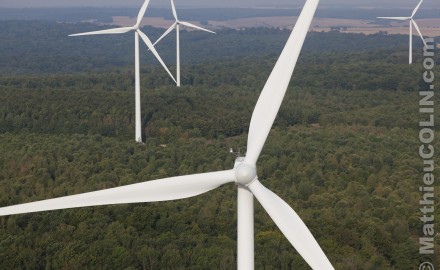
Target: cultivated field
<point>429,27</point>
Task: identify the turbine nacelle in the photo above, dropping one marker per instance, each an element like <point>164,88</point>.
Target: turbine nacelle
<point>244,173</point>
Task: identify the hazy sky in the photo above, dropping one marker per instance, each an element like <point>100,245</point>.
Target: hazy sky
<point>217,3</point>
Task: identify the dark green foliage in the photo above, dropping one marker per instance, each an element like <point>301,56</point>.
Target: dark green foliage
<point>44,47</point>
<point>361,216</point>
<point>355,177</point>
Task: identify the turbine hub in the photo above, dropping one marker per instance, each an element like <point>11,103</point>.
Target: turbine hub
<point>244,173</point>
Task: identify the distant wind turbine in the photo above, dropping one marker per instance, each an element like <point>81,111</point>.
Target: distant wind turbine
<point>176,25</point>
<point>137,33</point>
<point>411,23</point>
<point>244,173</point>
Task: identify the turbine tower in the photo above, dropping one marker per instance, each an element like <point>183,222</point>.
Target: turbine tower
<point>176,25</point>
<point>411,23</point>
<point>137,33</point>
<point>243,174</point>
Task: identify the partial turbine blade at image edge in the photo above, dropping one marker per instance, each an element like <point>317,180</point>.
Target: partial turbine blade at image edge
<point>141,13</point>
<point>166,189</point>
<point>173,7</point>
<point>416,9</point>
<point>273,92</point>
<point>291,226</point>
<point>418,30</point>
<point>120,30</point>
<point>196,27</point>
<point>395,18</point>
<point>153,50</point>
<point>166,33</point>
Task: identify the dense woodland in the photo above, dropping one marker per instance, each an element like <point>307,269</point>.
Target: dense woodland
<point>37,47</point>
<point>343,150</point>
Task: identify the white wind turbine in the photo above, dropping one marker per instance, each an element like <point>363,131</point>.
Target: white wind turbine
<point>411,23</point>
<point>176,25</point>
<point>244,173</point>
<point>137,33</point>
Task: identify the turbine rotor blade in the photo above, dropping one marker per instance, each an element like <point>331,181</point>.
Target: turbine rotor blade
<point>418,30</point>
<point>141,13</point>
<point>166,33</point>
<point>166,189</point>
<point>120,30</point>
<point>196,27</point>
<point>395,18</point>
<point>416,9</point>
<point>153,50</point>
<point>273,92</point>
<point>291,226</point>
<point>173,7</point>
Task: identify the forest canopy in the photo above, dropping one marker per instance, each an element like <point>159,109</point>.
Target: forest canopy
<point>342,152</point>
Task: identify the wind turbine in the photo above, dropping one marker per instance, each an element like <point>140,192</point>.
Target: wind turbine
<point>137,33</point>
<point>176,25</point>
<point>243,174</point>
<point>411,23</point>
